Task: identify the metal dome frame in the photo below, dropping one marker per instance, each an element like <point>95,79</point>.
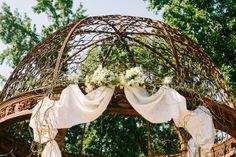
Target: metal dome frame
<point>40,71</point>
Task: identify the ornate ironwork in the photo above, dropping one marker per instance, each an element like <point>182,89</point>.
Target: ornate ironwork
<point>46,67</point>
<point>69,47</point>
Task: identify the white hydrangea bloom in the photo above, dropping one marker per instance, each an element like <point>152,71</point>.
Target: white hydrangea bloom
<point>167,80</point>
<point>134,77</point>
<point>102,76</point>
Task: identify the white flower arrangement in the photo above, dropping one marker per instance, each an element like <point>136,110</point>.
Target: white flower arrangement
<point>101,77</point>
<point>134,77</point>
<point>104,77</point>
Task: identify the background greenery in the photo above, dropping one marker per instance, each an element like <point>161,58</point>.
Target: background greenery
<point>211,23</point>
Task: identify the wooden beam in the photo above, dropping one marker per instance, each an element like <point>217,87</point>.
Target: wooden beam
<point>9,143</point>
<point>60,138</point>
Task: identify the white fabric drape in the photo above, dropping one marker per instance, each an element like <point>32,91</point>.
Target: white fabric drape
<point>168,104</point>
<point>199,125</point>
<point>43,121</point>
<point>76,108</point>
<point>159,107</point>
<point>72,108</point>
<point>51,149</point>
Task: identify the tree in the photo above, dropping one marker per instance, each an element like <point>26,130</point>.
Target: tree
<point>59,13</point>
<point>211,23</point>
<point>18,32</point>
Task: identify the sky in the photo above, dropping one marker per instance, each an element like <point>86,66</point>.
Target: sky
<point>93,7</point>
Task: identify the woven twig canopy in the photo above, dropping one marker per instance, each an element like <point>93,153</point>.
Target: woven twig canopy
<point>168,52</point>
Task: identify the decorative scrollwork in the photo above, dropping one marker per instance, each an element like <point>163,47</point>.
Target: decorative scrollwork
<point>193,68</point>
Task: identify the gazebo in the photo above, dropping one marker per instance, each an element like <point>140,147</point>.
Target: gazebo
<point>85,44</point>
